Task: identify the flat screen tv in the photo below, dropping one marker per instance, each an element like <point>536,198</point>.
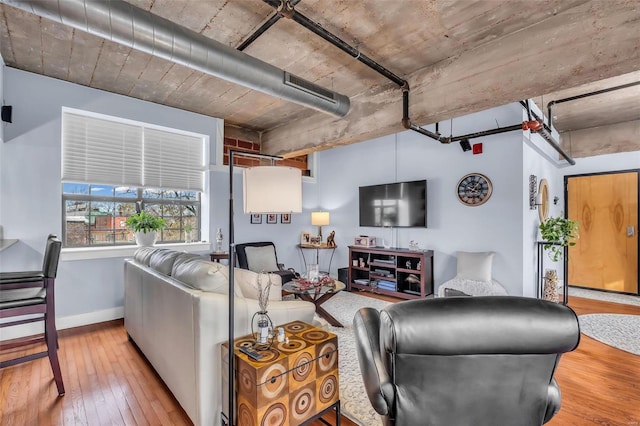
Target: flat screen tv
<point>400,204</point>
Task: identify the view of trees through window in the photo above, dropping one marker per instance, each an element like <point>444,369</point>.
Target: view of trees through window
<point>95,215</point>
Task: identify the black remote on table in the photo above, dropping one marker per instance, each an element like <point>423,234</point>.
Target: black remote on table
<point>250,352</point>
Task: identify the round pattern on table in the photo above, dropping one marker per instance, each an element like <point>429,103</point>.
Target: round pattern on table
<point>315,335</point>
<point>295,327</point>
<point>246,378</point>
<point>302,367</point>
<point>273,380</point>
<point>327,357</point>
<point>302,404</point>
<point>245,415</point>
<point>247,342</point>
<point>276,415</point>
<point>294,345</point>
<point>328,389</point>
<point>268,355</point>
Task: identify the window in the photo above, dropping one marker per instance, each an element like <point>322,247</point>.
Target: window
<point>112,168</point>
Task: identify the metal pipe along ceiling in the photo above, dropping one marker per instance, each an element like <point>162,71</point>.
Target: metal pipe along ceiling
<point>123,23</point>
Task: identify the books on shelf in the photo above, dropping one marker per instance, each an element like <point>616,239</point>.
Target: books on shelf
<point>387,285</point>
<point>361,281</point>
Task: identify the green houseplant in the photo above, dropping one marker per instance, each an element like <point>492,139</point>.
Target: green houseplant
<point>145,227</point>
<point>560,231</point>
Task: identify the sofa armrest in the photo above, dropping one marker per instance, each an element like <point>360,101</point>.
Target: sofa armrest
<point>283,311</point>
<point>248,282</point>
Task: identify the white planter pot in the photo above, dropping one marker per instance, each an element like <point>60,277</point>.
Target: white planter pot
<point>145,240</point>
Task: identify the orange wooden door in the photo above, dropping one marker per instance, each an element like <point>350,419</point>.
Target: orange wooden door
<point>606,254</point>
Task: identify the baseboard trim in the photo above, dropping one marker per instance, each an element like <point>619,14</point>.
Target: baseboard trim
<point>62,323</point>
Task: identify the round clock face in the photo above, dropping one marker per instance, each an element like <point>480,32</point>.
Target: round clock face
<point>474,189</point>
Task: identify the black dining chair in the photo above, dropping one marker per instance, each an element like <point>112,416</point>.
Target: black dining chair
<point>29,293</point>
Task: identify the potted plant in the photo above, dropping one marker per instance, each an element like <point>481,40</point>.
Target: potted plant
<point>145,227</point>
<point>561,232</point>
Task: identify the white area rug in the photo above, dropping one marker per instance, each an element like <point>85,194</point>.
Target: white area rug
<point>353,398</point>
<point>618,331</point>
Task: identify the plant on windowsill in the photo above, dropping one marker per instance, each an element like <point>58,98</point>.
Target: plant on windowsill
<point>561,232</point>
<point>145,227</point>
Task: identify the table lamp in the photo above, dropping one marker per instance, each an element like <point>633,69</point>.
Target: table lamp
<point>320,219</point>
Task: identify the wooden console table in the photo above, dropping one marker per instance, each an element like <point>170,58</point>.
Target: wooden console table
<point>216,256</point>
<point>293,383</point>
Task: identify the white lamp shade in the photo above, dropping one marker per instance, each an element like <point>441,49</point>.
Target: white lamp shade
<point>272,189</point>
<point>319,218</point>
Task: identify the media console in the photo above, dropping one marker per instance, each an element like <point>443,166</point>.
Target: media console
<point>397,272</point>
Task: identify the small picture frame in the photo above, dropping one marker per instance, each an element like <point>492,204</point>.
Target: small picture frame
<point>315,240</point>
<point>256,218</point>
<point>272,218</point>
<point>285,218</point>
<point>305,238</point>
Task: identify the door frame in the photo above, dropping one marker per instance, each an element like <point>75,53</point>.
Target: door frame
<point>566,215</point>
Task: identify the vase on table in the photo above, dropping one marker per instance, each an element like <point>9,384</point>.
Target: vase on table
<point>550,287</point>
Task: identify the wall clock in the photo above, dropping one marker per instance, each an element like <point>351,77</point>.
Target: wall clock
<point>474,189</point>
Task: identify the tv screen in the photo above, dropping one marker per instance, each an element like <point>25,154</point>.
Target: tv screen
<point>402,204</point>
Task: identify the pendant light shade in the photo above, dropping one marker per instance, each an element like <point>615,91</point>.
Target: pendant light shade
<point>272,189</point>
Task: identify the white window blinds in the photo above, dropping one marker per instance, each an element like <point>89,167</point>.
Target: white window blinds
<point>96,150</point>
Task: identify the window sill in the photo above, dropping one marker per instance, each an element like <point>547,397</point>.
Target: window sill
<point>84,253</point>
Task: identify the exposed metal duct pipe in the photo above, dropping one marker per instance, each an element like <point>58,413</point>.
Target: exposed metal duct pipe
<point>123,23</point>
<point>545,132</point>
<point>586,95</point>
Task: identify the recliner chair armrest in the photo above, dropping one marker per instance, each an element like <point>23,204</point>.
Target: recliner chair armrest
<point>377,380</point>
<point>553,400</point>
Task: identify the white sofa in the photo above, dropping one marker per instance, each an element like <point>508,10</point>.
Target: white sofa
<point>176,312</point>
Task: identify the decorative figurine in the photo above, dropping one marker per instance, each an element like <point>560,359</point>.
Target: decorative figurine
<point>331,239</point>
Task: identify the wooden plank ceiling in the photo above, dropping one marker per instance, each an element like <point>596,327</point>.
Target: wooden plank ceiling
<point>459,56</point>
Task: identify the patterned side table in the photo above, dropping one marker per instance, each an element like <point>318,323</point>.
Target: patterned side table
<point>292,384</point>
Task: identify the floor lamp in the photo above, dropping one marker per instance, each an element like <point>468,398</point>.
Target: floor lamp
<point>266,190</point>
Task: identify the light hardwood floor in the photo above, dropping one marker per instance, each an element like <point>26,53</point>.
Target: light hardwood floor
<point>108,382</point>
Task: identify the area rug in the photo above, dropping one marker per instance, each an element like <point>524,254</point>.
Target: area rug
<point>619,331</point>
<point>353,398</point>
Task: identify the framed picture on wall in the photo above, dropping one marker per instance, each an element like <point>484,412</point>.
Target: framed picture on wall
<point>285,218</point>
<point>256,218</point>
<point>272,218</point>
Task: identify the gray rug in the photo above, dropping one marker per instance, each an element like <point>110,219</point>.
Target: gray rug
<point>354,402</point>
<point>619,331</point>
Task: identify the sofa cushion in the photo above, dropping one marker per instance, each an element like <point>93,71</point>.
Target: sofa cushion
<point>162,260</point>
<point>185,257</point>
<point>143,255</point>
<point>200,274</point>
<point>261,258</point>
<point>475,266</point>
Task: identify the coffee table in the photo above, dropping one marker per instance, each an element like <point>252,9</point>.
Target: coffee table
<point>317,296</point>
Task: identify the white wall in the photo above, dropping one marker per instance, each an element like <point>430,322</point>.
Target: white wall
<point>30,186</point>
<point>494,226</point>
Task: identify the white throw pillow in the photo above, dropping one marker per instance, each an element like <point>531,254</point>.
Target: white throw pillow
<point>475,266</point>
<point>261,258</point>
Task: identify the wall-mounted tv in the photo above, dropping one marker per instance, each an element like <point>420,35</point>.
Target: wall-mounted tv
<point>400,204</point>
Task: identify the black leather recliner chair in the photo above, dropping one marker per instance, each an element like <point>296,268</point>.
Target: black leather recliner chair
<point>261,257</point>
<point>465,360</point>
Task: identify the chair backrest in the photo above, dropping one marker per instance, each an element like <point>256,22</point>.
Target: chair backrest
<point>472,360</point>
<point>51,256</point>
<point>255,260</point>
